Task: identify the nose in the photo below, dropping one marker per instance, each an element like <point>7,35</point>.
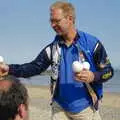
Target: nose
<point>53,24</point>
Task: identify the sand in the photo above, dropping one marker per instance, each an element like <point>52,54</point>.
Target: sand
<point>40,104</point>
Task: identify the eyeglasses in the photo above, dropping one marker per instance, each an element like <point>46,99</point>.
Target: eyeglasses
<point>56,21</point>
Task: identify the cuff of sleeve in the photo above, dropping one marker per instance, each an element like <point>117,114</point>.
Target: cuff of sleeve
<point>97,76</point>
<point>10,70</point>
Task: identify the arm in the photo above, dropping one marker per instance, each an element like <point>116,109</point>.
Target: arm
<point>103,65</point>
<point>40,64</point>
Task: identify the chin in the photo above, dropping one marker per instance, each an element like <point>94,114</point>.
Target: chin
<point>59,33</point>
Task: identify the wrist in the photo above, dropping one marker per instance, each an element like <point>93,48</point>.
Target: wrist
<point>92,77</point>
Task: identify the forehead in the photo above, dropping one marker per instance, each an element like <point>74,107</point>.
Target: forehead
<point>56,13</point>
<point>4,84</point>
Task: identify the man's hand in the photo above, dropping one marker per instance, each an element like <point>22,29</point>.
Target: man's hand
<point>4,69</point>
<point>85,76</point>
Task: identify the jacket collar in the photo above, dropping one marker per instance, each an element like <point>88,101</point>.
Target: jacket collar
<point>62,42</point>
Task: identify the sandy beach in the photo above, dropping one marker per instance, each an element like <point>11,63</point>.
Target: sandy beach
<point>40,104</point>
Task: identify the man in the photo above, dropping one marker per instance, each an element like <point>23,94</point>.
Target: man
<point>13,99</point>
<point>75,96</point>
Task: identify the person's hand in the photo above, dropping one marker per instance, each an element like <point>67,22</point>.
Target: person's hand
<point>85,76</point>
<point>4,68</point>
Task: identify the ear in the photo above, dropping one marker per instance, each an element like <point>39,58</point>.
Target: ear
<point>22,111</point>
<point>71,19</point>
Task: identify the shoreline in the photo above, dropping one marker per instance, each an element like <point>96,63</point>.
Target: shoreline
<point>47,87</point>
<point>39,96</point>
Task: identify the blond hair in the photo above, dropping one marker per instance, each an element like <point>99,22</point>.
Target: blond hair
<point>66,7</point>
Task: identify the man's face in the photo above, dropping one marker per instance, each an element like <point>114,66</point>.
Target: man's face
<point>59,22</point>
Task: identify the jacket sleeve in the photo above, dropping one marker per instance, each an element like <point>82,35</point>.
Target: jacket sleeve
<point>103,65</point>
<point>40,64</point>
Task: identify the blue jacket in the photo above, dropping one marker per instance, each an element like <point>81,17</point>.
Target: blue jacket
<point>94,53</point>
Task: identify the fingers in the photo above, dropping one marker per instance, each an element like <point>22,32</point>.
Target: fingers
<point>85,76</point>
<point>3,69</point>
<point>3,74</point>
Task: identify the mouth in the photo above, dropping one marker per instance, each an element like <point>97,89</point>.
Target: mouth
<point>57,30</point>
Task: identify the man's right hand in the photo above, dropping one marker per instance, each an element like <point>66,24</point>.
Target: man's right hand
<point>4,69</point>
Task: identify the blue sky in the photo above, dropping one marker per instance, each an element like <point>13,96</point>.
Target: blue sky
<point>25,29</point>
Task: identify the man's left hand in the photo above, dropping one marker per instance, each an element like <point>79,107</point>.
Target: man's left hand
<point>85,76</point>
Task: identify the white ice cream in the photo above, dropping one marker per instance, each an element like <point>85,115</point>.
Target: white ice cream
<point>77,66</point>
<point>86,65</point>
<point>1,59</point>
